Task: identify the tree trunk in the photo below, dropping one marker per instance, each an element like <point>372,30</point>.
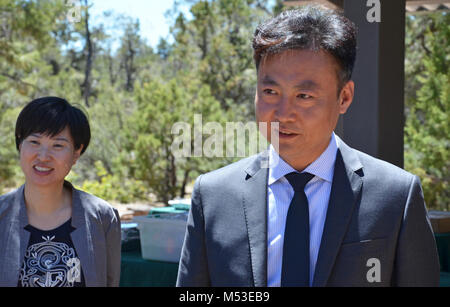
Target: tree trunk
<point>112,74</point>
<point>87,73</point>
<point>184,184</point>
<point>173,175</point>
<point>129,66</point>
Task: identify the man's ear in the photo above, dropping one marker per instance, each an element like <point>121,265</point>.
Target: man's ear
<point>346,96</point>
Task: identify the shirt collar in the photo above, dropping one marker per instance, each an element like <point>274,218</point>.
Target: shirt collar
<point>322,167</point>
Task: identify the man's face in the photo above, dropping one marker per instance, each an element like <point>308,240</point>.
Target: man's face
<point>298,90</point>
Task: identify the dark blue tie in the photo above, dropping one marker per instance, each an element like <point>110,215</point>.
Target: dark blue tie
<point>295,266</point>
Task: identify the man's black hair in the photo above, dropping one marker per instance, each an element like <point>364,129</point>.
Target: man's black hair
<point>311,27</point>
<point>50,116</point>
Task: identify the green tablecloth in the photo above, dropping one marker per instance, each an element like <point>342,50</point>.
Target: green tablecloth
<point>138,272</point>
<point>445,279</point>
<point>443,246</point>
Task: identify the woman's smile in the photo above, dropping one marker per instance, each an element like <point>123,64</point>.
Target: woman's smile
<point>42,170</point>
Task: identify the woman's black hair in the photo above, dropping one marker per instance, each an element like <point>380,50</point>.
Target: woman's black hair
<point>50,116</point>
<point>311,27</point>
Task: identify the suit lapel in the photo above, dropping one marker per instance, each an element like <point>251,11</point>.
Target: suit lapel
<point>345,189</point>
<point>255,210</point>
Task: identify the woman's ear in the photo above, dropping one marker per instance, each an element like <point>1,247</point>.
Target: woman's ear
<point>77,154</point>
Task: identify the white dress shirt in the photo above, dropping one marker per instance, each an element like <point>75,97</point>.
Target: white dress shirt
<point>280,194</point>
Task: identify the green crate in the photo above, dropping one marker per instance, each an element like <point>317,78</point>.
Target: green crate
<point>184,207</point>
<point>165,210</point>
<point>181,204</point>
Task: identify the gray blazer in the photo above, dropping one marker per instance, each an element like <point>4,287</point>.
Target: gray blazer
<point>97,237</point>
<point>376,211</point>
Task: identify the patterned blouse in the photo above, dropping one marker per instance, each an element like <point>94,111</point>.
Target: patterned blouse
<point>50,259</point>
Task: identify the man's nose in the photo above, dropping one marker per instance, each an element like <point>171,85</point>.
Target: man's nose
<point>285,110</point>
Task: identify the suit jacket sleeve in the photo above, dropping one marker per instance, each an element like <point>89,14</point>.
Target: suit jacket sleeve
<point>417,260</point>
<point>113,250</point>
<point>193,267</point>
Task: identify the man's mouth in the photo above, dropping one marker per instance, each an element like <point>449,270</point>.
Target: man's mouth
<point>283,134</point>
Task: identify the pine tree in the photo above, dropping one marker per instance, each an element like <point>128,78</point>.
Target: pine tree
<point>427,130</point>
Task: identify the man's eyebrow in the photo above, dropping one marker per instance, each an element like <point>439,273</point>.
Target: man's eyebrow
<point>267,80</point>
<point>303,85</point>
<point>307,85</point>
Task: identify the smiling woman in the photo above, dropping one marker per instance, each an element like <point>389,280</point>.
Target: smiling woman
<point>45,240</point>
<point>50,136</point>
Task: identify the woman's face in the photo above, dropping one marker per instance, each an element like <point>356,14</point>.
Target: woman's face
<point>46,160</point>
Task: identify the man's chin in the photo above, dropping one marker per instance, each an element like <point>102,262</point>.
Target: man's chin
<point>288,153</point>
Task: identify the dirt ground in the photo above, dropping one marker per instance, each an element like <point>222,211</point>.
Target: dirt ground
<point>128,211</point>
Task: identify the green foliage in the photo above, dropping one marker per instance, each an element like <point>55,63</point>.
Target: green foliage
<point>427,132</point>
<point>26,29</point>
<point>8,154</point>
<point>113,187</point>
<point>216,46</point>
<point>159,107</point>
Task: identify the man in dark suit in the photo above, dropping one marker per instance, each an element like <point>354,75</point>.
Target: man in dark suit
<point>321,213</point>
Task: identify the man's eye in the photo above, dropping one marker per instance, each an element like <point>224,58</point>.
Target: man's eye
<point>304,96</point>
<point>34,142</point>
<point>58,145</point>
<point>269,91</point>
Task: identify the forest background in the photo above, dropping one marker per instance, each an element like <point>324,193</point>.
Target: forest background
<point>134,93</point>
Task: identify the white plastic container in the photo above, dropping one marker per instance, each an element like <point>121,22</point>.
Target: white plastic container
<point>161,239</point>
